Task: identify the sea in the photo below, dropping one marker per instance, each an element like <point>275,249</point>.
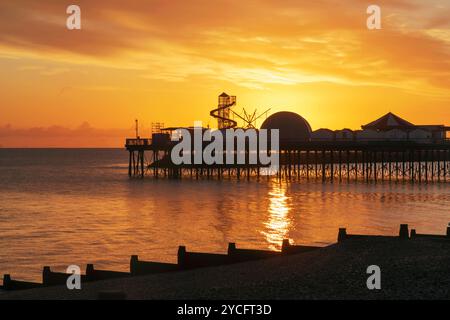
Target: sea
<point>61,207</point>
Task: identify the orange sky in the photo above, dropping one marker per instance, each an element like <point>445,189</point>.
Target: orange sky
<point>167,61</point>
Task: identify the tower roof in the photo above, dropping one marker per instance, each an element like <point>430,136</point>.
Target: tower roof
<point>388,121</point>
<point>224,95</point>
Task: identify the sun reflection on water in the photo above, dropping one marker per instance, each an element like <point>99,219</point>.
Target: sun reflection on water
<point>278,223</point>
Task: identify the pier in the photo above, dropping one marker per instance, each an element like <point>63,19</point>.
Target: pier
<point>324,161</point>
<point>387,149</point>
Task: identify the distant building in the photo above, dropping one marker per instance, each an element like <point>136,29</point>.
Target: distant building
<point>369,135</point>
<point>344,135</point>
<point>389,127</point>
<point>322,135</point>
<point>395,135</point>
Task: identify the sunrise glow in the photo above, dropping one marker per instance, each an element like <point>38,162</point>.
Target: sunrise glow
<point>167,61</point>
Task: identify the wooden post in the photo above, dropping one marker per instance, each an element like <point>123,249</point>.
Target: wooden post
<point>181,257</point>
<point>404,232</point>
<point>374,160</point>
<point>323,166</point>
<point>332,165</point>
<point>315,163</point>
<point>445,166</point>
<point>307,164</point>
<point>129,165</point>
<point>142,163</point>
<point>348,165</point>
<point>439,165</point>
<point>419,160</point>
<point>340,165</point>
<point>342,235</point>
<point>390,164</point>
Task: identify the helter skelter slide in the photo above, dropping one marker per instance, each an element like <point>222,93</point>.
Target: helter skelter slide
<point>223,111</point>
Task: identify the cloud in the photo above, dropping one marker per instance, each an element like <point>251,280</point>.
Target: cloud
<point>57,136</point>
<point>164,60</point>
<point>253,43</point>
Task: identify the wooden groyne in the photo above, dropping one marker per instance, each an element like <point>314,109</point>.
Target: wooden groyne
<point>193,260</point>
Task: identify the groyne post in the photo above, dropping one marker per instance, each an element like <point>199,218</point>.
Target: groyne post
<point>404,231</point>
<point>342,235</point>
<point>181,257</point>
<point>6,281</point>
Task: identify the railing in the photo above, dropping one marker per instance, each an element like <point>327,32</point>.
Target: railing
<point>138,142</point>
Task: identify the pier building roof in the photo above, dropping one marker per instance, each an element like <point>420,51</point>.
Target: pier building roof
<point>387,122</point>
<point>292,126</point>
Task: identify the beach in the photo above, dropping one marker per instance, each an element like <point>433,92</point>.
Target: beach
<point>410,269</point>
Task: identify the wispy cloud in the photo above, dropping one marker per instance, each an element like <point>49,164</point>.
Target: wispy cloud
<point>166,60</point>
<point>55,136</point>
<point>241,41</point>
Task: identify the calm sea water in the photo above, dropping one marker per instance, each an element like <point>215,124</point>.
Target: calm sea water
<point>63,207</point>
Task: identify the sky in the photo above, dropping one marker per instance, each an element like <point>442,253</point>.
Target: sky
<point>167,61</point>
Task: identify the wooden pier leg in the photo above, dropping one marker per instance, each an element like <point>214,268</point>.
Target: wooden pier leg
<point>426,165</point>
<point>375,163</point>
<point>368,162</point>
<point>439,165</point>
<point>445,166</point>
<point>348,165</point>
<point>316,164</point>
<point>419,160</point>
<point>404,165</point>
<point>323,166</point>
<point>432,165</point>
<point>340,165</point>
<point>307,165</point>
<point>390,165</point>
<point>332,166</point>
<point>397,156</point>
<point>289,163</point>
<point>129,165</point>
<point>134,164</point>
<point>142,163</point>
<point>363,165</point>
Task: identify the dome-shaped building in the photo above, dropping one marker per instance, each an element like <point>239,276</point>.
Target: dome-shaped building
<point>293,127</point>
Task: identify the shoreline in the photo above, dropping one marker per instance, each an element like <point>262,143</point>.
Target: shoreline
<point>410,269</point>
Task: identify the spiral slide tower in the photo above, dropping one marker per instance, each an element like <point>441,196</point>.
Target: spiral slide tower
<point>223,112</point>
